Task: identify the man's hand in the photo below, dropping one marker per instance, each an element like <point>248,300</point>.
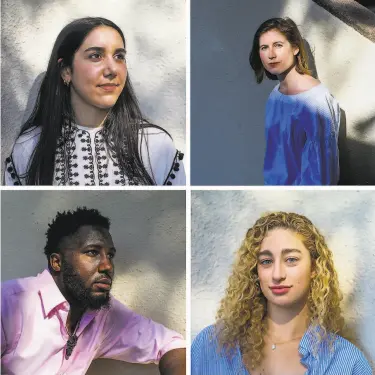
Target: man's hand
<point>173,362</point>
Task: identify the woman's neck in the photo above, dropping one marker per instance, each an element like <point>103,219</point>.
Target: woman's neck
<point>289,80</point>
<point>286,323</point>
<point>86,114</point>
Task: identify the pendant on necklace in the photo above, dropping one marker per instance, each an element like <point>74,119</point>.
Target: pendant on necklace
<point>273,346</point>
<point>72,342</point>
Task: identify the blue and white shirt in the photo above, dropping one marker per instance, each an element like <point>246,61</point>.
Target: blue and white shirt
<point>344,359</point>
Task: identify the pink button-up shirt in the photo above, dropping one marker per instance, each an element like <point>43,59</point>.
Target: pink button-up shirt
<point>34,337</point>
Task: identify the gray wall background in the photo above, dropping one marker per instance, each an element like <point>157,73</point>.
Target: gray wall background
<point>148,229</point>
<point>219,223</point>
<point>228,107</point>
<point>156,56</point>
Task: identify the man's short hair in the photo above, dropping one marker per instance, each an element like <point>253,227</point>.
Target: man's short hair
<point>67,223</point>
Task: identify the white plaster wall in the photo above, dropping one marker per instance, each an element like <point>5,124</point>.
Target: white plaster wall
<point>148,229</point>
<point>227,106</point>
<point>219,223</point>
<point>155,37</point>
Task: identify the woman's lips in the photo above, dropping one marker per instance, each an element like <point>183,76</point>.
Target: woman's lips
<point>280,290</point>
<point>109,88</point>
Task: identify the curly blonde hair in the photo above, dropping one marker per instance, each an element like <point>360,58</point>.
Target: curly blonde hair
<point>240,319</point>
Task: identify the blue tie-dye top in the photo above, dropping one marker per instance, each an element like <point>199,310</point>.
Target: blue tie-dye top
<point>302,138</point>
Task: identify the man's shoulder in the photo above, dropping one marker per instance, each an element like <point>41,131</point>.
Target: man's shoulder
<point>17,286</point>
<point>119,310</point>
<point>15,292</point>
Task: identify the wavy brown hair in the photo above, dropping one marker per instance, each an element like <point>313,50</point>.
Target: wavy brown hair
<point>240,320</point>
<point>287,27</point>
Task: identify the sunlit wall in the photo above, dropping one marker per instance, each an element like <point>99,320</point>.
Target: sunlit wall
<point>228,107</point>
<point>148,230</point>
<point>155,38</point>
<point>220,220</point>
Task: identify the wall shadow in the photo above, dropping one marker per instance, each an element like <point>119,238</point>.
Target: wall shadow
<point>311,59</point>
<point>150,260</point>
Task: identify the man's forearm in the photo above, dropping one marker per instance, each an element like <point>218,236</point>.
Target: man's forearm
<point>173,362</point>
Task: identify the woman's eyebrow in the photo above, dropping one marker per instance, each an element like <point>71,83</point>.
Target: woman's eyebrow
<point>102,49</point>
<point>283,252</point>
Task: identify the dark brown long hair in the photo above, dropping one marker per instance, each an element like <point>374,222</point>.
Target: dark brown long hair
<point>124,125</point>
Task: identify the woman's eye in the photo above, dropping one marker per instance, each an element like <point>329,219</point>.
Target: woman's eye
<point>266,262</point>
<point>111,256</point>
<point>292,260</point>
<point>94,56</point>
<point>279,45</point>
<point>120,57</point>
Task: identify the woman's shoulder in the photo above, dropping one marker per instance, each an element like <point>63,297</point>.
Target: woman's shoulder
<point>29,136</point>
<point>17,163</point>
<point>207,334</point>
<point>205,342</point>
<point>161,157</point>
<point>349,353</point>
<point>157,137</point>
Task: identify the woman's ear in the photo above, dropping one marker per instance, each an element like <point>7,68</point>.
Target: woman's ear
<point>295,51</point>
<point>66,75</point>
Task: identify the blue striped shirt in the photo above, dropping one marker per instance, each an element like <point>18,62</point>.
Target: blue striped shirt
<point>344,359</point>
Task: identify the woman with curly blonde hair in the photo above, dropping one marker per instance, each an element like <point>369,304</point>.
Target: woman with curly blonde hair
<point>281,312</point>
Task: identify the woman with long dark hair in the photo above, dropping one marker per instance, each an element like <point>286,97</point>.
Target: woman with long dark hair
<point>86,127</point>
<point>302,117</point>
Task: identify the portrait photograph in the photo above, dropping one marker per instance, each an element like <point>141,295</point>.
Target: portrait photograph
<point>281,93</point>
<point>93,93</point>
<point>93,282</point>
<point>282,282</point>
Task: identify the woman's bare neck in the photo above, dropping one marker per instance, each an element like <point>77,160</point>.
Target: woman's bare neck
<point>286,323</point>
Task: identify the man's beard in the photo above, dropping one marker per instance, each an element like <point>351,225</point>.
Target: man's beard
<point>79,294</point>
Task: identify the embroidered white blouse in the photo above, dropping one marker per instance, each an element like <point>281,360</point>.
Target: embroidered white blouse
<point>89,163</point>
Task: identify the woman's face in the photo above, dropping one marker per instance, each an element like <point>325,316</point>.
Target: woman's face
<point>276,53</point>
<point>98,73</point>
<point>284,268</point>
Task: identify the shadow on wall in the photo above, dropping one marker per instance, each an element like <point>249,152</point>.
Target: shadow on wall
<point>357,162</point>
<point>351,215</point>
<point>227,107</point>
<point>18,74</point>
<point>141,224</point>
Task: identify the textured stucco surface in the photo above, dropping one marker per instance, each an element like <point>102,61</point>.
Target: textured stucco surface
<point>346,218</point>
<point>156,57</point>
<point>227,106</point>
<point>148,229</point>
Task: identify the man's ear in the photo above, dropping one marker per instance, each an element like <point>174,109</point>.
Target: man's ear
<point>55,261</point>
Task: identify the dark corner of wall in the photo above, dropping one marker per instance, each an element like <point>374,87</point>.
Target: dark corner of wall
<point>353,13</point>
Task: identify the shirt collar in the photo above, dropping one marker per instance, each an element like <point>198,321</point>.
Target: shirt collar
<point>50,293</point>
<point>310,348</point>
